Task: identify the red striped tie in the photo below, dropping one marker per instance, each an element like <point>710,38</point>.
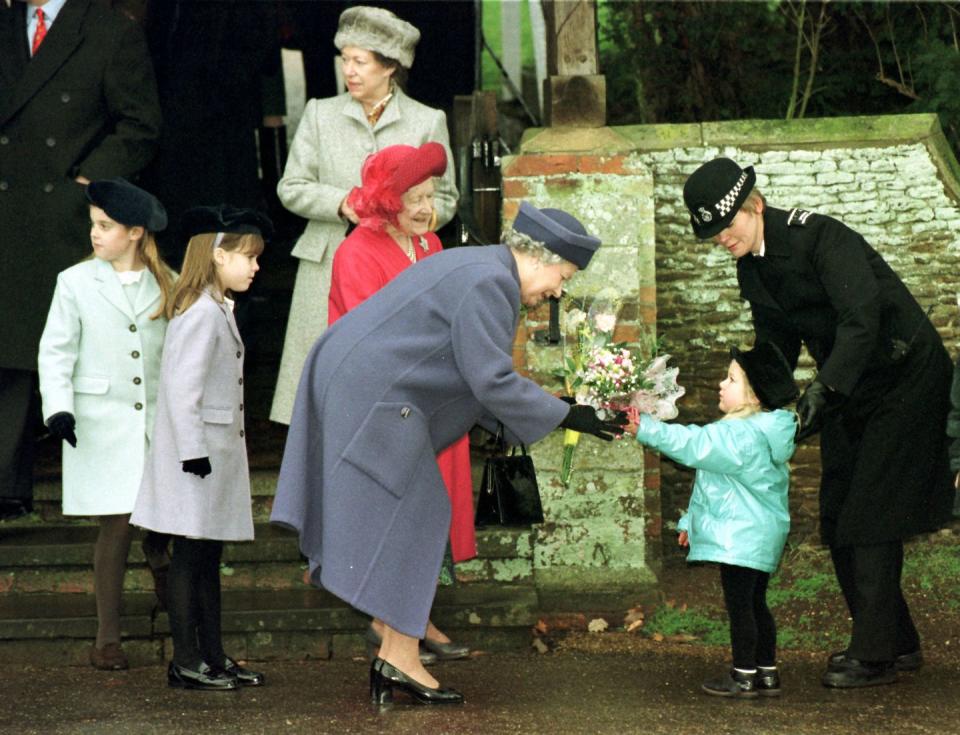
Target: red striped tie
<point>39,34</point>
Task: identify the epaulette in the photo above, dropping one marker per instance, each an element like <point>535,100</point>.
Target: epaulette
<point>798,217</point>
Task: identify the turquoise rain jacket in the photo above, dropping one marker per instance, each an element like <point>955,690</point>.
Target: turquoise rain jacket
<point>738,511</point>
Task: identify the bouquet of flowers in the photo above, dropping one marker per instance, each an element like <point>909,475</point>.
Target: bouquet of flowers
<point>610,376</point>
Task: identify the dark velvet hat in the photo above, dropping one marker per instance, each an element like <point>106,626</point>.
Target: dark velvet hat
<point>714,194</point>
<point>224,218</point>
<point>127,204</point>
<point>769,374</point>
<point>560,233</point>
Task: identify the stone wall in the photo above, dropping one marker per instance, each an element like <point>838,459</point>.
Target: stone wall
<point>892,178</point>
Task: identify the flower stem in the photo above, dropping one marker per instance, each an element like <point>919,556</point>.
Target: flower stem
<point>570,439</point>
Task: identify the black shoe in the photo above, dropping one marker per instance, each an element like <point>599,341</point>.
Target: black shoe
<point>12,508</point>
<point>246,677</point>
<point>768,681</point>
<point>735,684</point>
<point>449,651</point>
<point>904,662</point>
<point>385,677</point>
<point>204,677</point>
<point>852,673</point>
<point>374,641</point>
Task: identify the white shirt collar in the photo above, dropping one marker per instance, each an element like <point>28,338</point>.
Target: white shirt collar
<point>129,277</point>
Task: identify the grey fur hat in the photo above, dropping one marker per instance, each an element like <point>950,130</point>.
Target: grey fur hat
<point>376,29</point>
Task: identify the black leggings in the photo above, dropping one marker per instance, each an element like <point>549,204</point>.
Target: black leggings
<point>193,602</point>
<point>753,632</point>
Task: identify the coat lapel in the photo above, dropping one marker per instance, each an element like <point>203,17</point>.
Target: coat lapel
<point>227,314</point>
<point>111,289</point>
<point>62,40</point>
<point>148,294</point>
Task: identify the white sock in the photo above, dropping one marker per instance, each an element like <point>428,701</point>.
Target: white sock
<point>745,671</point>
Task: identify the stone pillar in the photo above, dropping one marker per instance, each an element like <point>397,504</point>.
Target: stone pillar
<point>595,543</point>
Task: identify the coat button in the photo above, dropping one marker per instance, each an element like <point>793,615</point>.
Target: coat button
<point>137,381</point>
<point>51,142</point>
<point>133,327</point>
<point>48,187</point>
<point>65,97</point>
<point>241,432</point>
<point>138,406</point>
<point>241,406</point>
<point>135,354</point>
<point>4,140</point>
<point>404,412</point>
<point>239,353</point>
<point>240,382</point>
<point>4,186</point>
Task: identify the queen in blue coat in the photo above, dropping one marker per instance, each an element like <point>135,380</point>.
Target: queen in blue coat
<point>390,384</point>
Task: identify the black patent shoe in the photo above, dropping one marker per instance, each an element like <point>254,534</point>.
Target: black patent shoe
<point>385,678</point>
<point>374,641</point>
<point>734,684</point>
<point>204,677</point>
<point>852,673</point>
<point>448,651</point>
<point>768,681</point>
<point>904,662</point>
<point>244,676</point>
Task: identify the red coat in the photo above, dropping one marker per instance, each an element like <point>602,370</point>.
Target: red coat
<point>364,263</point>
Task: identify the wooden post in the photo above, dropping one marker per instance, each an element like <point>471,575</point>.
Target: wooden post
<point>575,94</point>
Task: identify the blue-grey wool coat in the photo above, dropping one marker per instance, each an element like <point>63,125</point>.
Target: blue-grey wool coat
<point>389,385</point>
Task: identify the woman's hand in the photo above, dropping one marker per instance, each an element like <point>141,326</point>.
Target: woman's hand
<point>683,539</point>
<point>346,211</point>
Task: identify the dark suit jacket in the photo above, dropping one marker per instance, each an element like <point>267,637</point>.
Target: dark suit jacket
<point>884,459</point>
<point>86,104</point>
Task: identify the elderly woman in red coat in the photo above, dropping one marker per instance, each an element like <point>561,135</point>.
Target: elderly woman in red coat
<point>395,208</point>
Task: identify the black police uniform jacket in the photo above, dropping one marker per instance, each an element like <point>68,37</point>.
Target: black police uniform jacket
<point>884,465</point>
<point>84,105</point>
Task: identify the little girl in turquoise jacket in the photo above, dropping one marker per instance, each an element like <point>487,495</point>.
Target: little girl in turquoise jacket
<point>738,515</point>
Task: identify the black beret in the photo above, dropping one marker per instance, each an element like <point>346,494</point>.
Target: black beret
<point>224,218</point>
<point>127,204</point>
<point>769,374</point>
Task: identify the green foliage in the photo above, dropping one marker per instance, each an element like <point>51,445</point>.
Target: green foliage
<point>706,626</point>
<point>669,62</point>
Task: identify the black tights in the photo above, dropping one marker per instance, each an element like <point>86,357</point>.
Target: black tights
<point>753,632</point>
<point>193,602</point>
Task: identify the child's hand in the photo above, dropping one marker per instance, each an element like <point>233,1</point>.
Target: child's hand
<point>683,539</point>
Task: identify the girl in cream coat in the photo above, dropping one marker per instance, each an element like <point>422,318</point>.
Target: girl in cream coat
<point>99,365</point>
<point>334,138</point>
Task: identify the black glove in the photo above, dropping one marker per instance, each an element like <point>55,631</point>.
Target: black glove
<point>199,467</point>
<point>585,420</point>
<point>812,408</point>
<point>61,425</point>
<point>568,399</point>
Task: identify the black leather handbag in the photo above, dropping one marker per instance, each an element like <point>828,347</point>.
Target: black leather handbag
<point>509,495</point>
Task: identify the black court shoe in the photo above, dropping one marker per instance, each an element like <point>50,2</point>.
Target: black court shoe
<point>204,677</point>
<point>449,651</point>
<point>244,676</point>
<point>385,677</point>
<point>374,641</point>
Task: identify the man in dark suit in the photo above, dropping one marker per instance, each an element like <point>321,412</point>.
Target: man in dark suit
<point>78,102</point>
<point>880,397</point>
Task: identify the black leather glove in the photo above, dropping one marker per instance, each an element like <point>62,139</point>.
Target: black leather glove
<point>62,426</point>
<point>568,399</point>
<point>199,467</point>
<point>812,408</point>
<point>585,420</point>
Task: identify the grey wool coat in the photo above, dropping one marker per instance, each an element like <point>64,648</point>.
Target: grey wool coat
<point>100,361</point>
<point>332,141</point>
<point>390,384</point>
<point>199,414</point>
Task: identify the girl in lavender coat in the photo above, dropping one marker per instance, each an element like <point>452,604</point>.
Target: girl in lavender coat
<point>196,486</point>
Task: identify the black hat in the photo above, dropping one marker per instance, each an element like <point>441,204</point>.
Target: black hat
<point>224,218</point>
<point>127,204</point>
<point>714,194</point>
<point>769,374</point>
<point>560,233</point>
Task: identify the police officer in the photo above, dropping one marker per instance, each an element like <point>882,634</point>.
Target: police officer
<point>879,399</point>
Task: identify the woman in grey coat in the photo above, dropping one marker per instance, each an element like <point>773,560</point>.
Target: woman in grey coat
<point>333,139</point>
<point>390,384</point>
